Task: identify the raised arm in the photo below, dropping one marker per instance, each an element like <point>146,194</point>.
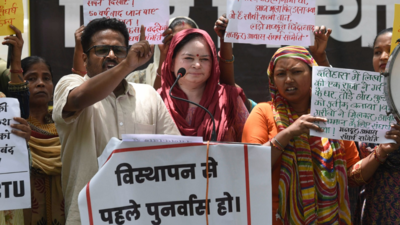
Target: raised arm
<point>226,58</point>
<point>168,35</point>
<point>23,129</point>
<point>78,66</point>
<point>15,67</point>
<point>318,52</point>
<point>17,87</point>
<point>101,85</point>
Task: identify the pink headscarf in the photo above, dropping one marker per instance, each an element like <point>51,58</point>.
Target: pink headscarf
<point>219,99</point>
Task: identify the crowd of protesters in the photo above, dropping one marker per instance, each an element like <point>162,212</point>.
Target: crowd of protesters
<point>314,180</point>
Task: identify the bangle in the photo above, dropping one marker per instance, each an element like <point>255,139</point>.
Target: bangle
<point>158,75</point>
<point>376,156</point>
<point>225,60</point>
<point>278,143</point>
<point>82,73</point>
<point>18,87</point>
<point>17,71</point>
<point>276,146</point>
<point>377,159</point>
<point>379,156</point>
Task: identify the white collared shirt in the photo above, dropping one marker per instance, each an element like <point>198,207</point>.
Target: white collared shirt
<point>85,134</point>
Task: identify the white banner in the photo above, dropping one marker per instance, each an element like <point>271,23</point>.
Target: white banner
<point>276,22</point>
<point>354,103</point>
<point>153,14</point>
<point>163,183</point>
<point>15,188</point>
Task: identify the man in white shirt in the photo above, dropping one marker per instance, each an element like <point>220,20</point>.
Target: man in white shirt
<point>90,110</point>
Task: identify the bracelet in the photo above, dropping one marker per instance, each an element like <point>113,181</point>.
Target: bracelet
<point>276,146</point>
<point>278,142</point>
<point>225,60</point>
<point>82,73</point>
<point>158,75</point>
<point>17,71</point>
<point>377,157</point>
<point>18,87</point>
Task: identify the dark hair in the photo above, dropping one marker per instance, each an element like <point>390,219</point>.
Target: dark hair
<point>184,41</point>
<point>100,24</point>
<point>384,31</point>
<point>178,21</point>
<point>27,62</point>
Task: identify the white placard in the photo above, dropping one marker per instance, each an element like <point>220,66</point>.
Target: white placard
<point>153,14</point>
<point>158,183</point>
<point>15,191</point>
<point>275,22</point>
<point>354,103</point>
<point>161,138</point>
<point>142,140</point>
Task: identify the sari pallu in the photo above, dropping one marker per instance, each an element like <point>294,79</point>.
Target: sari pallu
<point>313,176</point>
<point>47,197</point>
<point>219,99</point>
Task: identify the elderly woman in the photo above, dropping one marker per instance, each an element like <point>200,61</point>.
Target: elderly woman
<point>309,174</point>
<point>194,50</point>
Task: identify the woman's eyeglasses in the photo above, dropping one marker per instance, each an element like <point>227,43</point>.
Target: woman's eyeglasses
<point>104,50</point>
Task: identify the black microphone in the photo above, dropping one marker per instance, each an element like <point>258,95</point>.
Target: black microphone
<point>181,73</point>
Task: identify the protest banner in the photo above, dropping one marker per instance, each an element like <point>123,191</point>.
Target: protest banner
<point>396,27</point>
<point>11,13</point>
<point>15,191</point>
<point>153,14</point>
<point>163,183</point>
<point>276,22</point>
<point>354,103</point>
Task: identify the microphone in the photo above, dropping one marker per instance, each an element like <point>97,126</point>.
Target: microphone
<point>181,73</point>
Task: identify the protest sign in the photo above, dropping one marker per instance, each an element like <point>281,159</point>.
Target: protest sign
<point>396,27</point>
<point>160,183</point>
<point>115,143</point>
<point>11,13</point>
<point>354,103</point>
<point>15,191</point>
<point>276,22</point>
<point>153,14</point>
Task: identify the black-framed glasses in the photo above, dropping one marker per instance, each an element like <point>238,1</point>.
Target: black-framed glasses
<point>104,50</point>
